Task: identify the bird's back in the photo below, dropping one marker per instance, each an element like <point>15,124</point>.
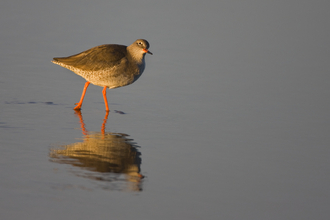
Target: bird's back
<point>95,59</point>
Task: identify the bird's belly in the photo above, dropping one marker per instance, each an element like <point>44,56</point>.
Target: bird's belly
<point>110,79</point>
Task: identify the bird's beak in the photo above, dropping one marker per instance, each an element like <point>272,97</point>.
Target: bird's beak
<point>147,51</point>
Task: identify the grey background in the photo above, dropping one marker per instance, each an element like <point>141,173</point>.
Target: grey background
<point>231,113</point>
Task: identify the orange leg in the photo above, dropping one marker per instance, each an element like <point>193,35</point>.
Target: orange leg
<point>78,107</point>
<point>104,91</point>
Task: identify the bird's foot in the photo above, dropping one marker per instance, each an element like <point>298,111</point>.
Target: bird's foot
<point>78,107</point>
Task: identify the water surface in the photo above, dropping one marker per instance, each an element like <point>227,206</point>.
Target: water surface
<point>230,119</point>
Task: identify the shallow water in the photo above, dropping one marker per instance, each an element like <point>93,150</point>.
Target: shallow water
<point>230,119</point>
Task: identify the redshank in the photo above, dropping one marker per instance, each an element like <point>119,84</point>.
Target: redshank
<point>109,66</point>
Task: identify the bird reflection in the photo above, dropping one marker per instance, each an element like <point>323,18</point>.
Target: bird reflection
<point>112,158</point>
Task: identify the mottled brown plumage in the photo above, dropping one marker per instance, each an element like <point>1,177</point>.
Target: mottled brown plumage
<point>109,65</point>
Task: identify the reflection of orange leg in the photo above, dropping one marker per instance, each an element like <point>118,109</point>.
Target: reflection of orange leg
<point>78,107</point>
<point>82,124</point>
<point>104,91</point>
<point>104,122</point>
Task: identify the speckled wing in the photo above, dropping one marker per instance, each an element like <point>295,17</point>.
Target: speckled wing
<point>94,59</point>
